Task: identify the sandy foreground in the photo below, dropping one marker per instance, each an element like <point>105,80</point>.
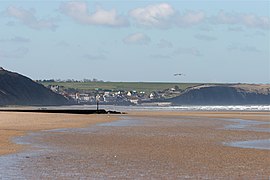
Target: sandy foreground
<point>147,145</point>
<point>19,124</point>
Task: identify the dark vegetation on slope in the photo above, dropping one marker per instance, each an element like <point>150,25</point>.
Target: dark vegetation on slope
<point>16,89</point>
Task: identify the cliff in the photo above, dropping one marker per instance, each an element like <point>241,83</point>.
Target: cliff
<point>224,95</point>
<point>16,89</point>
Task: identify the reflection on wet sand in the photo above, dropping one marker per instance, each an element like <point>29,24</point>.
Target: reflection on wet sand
<point>249,125</point>
<point>256,144</point>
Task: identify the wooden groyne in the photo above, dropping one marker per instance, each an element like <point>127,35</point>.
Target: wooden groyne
<point>64,111</point>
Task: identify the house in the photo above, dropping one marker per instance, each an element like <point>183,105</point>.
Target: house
<point>54,88</point>
<point>134,100</point>
<point>153,95</point>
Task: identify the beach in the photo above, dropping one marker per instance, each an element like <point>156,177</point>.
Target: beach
<point>19,124</point>
<point>137,145</point>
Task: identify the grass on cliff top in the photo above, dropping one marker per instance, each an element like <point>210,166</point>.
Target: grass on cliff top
<point>126,86</point>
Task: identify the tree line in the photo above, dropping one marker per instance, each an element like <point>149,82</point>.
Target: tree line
<point>68,80</point>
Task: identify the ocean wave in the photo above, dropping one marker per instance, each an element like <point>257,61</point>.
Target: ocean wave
<point>265,108</point>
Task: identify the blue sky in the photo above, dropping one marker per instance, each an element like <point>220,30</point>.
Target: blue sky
<point>208,41</point>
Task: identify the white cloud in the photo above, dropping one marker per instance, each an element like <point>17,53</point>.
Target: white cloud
<point>163,15</point>
<point>137,38</point>
<point>79,12</point>
<point>158,15</point>
<point>247,20</point>
<point>28,18</point>
<point>190,18</point>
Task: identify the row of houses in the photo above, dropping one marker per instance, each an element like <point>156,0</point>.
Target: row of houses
<point>114,97</point>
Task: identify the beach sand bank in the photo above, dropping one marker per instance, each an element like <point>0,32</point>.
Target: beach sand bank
<point>142,145</point>
<point>18,124</point>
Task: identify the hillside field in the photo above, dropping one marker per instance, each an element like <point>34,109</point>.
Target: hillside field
<point>126,86</point>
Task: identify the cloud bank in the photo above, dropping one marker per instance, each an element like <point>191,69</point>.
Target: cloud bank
<point>247,20</point>
<point>190,18</point>
<point>163,15</point>
<point>79,12</point>
<point>29,19</point>
<point>158,15</point>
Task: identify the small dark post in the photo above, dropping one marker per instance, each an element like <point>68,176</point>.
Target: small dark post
<point>97,100</point>
<point>97,105</point>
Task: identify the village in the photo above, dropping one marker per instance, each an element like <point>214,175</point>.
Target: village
<point>117,97</point>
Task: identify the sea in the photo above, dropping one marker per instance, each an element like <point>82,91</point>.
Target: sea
<point>259,108</point>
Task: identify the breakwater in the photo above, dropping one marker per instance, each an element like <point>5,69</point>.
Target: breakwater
<point>65,111</point>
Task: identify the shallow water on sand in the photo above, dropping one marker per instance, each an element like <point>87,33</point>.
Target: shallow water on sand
<point>121,123</point>
<point>256,144</point>
<point>239,124</point>
<point>13,166</point>
<point>25,165</point>
<point>249,125</point>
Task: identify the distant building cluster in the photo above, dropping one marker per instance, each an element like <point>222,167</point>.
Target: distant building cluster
<point>117,97</point>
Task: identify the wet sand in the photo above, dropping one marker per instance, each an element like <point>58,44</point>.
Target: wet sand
<point>19,124</point>
<point>142,145</point>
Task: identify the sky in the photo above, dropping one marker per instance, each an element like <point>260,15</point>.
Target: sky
<point>213,41</point>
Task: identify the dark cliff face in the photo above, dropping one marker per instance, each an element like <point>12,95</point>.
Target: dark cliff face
<point>16,89</point>
<point>220,95</point>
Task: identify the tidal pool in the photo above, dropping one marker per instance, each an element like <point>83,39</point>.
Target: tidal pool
<point>249,125</point>
<point>256,144</point>
<point>122,123</point>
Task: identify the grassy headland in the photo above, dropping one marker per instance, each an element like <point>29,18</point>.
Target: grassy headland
<point>146,87</point>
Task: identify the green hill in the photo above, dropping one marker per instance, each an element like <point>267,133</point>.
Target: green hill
<point>146,87</point>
